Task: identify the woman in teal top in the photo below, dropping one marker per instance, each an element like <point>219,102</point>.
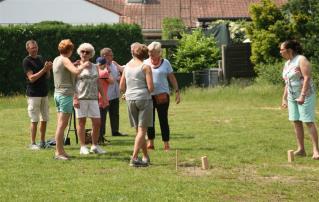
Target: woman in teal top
<point>299,95</point>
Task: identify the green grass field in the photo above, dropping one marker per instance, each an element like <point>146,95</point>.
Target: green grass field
<point>241,130</point>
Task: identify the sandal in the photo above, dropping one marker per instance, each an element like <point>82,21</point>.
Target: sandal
<point>300,153</point>
<point>61,157</point>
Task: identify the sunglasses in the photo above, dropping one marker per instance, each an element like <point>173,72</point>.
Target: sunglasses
<point>86,52</point>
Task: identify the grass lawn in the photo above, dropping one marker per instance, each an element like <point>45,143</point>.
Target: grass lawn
<point>241,130</point>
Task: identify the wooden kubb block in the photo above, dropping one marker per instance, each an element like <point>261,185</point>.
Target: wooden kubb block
<point>204,163</point>
<point>290,155</point>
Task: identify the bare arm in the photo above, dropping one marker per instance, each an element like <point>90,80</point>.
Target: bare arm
<point>173,81</point>
<point>123,83</point>
<point>284,103</point>
<point>119,67</point>
<point>306,73</point>
<point>149,78</point>
<point>73,69</point>
<point>45,70</point>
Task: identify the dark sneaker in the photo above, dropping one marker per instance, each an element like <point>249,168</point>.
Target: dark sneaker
<point>42,145</point>
<point>119,134</point>
<point>137,163</point>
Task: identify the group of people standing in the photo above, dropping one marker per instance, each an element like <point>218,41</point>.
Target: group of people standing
<point>93,89</point>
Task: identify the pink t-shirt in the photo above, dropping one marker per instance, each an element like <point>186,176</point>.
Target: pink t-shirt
<point>103,76</point>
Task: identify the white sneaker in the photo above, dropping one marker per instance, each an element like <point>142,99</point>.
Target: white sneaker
<point>84,150</point>
<point>34,147</point>
<point>97,149</point>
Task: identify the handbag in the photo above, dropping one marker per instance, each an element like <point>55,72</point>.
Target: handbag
<point>161,98</point>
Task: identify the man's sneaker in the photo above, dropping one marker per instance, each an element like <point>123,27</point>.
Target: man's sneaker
<point>119,134</point>
<point>34,146</point>
<point>97,149</point>
<point>84,150</point>
<point>137,163</point>
<point>42,145</point>
<point>147,160</point>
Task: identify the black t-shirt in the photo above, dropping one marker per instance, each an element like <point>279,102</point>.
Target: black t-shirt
<point>39,88</point>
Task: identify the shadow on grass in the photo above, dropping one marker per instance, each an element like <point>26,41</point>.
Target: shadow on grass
<point>179,136</point>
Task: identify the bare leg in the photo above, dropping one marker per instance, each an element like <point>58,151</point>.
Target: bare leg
<point>63,119</point>
<point>33,131</point>
<point>96,123</point>
<point>314,137</point>
<point>81,130</point>
<point>43,127</point>
<point>166,146</point>
<point>140,142</point>
<point>300,137</point>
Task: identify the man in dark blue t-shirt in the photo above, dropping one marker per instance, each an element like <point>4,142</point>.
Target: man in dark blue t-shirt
<point>37,74</point>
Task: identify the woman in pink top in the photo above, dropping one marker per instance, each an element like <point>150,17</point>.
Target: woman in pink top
<point>105,79</point>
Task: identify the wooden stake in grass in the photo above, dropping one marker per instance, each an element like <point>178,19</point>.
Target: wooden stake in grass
<point>290,155</point>
<point>204,163</point>
<point>176,159</point>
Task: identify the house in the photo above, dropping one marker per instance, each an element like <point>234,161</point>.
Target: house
<point>68,11</point>
<point>150,13</point>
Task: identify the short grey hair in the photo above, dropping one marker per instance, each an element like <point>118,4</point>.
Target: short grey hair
<point>30,42</point>
<point>155,46</point>
<point>105,51</point>
<point>86,46</point>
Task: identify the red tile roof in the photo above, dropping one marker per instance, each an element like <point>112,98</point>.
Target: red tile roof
<point>151,14</point>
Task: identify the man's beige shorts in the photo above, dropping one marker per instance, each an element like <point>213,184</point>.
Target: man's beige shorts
<point>38,108</point>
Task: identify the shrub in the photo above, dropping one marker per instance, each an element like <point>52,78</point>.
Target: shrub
<point>12,45</point>
<point>271,72</point>
<point>195,52</point>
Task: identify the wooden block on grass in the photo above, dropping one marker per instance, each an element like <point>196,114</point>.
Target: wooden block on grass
<point>204,163</point>
<point>290,155</point>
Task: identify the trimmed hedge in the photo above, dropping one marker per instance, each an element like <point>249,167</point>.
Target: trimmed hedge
<point>119,37</point>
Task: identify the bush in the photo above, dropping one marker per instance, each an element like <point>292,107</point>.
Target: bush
<point>271,72</point>
<point>195,52</point>
<point>12,46</point>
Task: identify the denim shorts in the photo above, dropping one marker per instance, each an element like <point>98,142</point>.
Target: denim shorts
<point>63,103</point>
<point>305,112</point>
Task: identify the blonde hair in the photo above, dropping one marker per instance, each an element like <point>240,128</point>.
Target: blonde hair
<point>86,46</point>
<point>65,46</point>
<point>155,46</point>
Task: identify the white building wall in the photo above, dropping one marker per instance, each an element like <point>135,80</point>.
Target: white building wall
<point>68,11</point>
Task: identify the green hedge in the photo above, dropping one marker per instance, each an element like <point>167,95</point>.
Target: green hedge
<point>48,35</point>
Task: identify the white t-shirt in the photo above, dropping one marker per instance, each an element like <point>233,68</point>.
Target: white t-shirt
<point>160,76</point>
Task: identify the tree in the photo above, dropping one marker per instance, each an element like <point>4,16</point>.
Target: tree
<point>267,29</point>
<point>304,19</point>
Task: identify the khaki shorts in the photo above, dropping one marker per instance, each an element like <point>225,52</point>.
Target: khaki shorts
<point>88,108</point>
<point>38,108</point>
<point>140,113</point>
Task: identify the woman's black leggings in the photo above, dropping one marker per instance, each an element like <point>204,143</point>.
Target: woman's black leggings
<point>162,112</point>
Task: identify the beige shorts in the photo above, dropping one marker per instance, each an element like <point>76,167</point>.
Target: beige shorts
<point>88,108</point>
<point>38,108</point>
<point>140,113</point>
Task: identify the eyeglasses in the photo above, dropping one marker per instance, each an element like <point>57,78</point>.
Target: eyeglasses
<point>86,52</point>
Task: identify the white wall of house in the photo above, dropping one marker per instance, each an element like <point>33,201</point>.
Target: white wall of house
<point>68,11</point>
